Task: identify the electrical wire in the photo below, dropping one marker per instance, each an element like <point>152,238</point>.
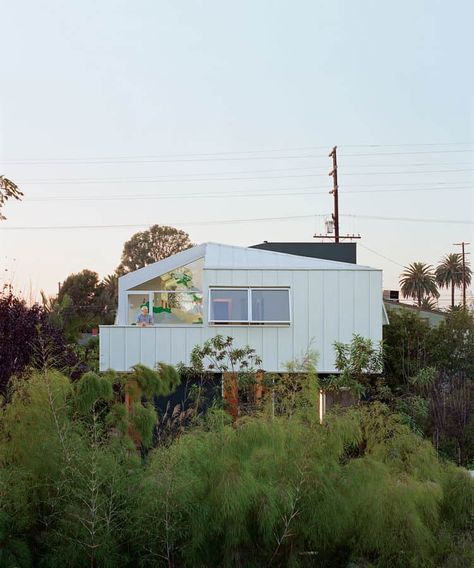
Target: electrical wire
<point>232,194</point>
<point>167,179</point>
<point>230,221</point>
<point>241,155</point>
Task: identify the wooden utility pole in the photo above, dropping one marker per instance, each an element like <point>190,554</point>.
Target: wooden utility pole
<point>462,245</point>
<point>333,173</point>
<point>335,215</point>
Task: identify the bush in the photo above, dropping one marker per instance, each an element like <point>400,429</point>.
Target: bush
<point>359,490</point>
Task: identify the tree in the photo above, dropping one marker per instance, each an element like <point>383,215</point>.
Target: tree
<point>8,190</point>
<point>28,338</point>
<point>418,281</point>
<point>407,344</point>
<point>146,247</point>
<point>84,290</point>
<point>107,298</point>
<point>449,273</point>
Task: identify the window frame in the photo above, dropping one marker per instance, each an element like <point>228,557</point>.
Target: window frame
<point>250,321</point>
<point>151,303</point>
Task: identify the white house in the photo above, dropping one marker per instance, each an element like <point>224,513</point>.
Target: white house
<point>282,305</point>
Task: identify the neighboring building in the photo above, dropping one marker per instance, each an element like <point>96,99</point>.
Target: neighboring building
<point>392,303</point>
<point>282,305</point>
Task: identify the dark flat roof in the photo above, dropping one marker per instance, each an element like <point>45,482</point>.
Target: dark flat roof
<point>341,252</point>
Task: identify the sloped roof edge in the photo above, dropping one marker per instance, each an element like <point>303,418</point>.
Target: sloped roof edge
<point>231,257</point>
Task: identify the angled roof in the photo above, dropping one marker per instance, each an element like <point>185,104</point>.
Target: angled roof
<point>218,256</point>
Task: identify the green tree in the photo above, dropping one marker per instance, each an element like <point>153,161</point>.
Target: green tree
<point>156,243</point>
<point>8,190</point>
<point>407,348</point>
<point>107,297</point>
<point>418,281</point>
<point>84,290</point>
<point>449,273</point>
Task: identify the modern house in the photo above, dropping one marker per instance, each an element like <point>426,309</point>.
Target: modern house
<point>280,304</point>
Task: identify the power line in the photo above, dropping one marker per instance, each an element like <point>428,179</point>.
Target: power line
<point>381,255</point>
<point>240,155</point>
<point>409,153</point>
<point>311,147</point>
<point>87,181</point>
<point>277,192</point>
<point>413,220</point>
<point>227,221</point>
<point>141,225</point>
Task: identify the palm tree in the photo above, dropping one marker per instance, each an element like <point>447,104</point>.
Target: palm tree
<point>449,273</point>
<point>428,304</point>
<point>418,281</point>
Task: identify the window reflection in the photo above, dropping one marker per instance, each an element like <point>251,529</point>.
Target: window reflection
<point>177,307</point>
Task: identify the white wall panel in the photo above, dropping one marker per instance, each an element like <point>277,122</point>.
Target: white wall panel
<point>326,305</point>
<point>178,345</point>
<point>316,317</point>
<point>374,310</point>
<point>299,294</point>
<point>346,306</point>
<point>330,330</point>
<point>117,348</point>
<point>104,349</point>
<point>285,346</point>
<point>362,303</point>
<point>270,354</point>
<point>147,347</point>
<point>163,345</point>
<point>132,346</point>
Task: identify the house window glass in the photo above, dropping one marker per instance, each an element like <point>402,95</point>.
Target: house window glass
<point>229,305</point>
<point>135,303</point>
<point>249,305</point>
<point>177,307</point>
<point>172,298</point>
<point>270,305</point>
<point>184,278</point>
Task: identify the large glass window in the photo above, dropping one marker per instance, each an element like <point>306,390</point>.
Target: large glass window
<point>229,305</point>
<point>172,298</point>
<point>135,302</point>
<point>270,305</point>
<point>177,307</point>
<point>249,305</point>
<point>187,278</point>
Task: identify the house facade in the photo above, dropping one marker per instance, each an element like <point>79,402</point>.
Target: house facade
<point>280,304</point>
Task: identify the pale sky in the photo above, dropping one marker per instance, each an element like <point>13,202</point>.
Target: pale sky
<point>199,113</point>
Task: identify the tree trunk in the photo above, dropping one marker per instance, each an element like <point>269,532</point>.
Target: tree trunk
<point>452,294</point>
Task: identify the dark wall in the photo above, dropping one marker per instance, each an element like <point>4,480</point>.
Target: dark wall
<point>341,252</point>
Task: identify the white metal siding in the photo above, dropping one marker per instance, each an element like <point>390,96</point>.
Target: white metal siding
<point>326,306</point>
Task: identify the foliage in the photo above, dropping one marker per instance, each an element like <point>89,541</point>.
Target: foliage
<point>8,190</point>
<point>296,389</point>
<point>88,354</point>
<point>277,492</point>
<point>219,354</point>
<point>156,243</point>
<point>239,367</point>
<point>407,344</point>
<point>156,383</point>
<point>431,374</point>
<point>28,338</point>
<point>418,281</point>
<point>357,362</point>
<point>449,273</point>
<point>361,489</point>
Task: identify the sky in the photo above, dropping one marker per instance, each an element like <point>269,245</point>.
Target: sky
<point>217,117</point>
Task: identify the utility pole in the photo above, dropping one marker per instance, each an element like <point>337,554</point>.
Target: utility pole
<point>335,215</point>
<point>462,245</point>
<point>333,173</point>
